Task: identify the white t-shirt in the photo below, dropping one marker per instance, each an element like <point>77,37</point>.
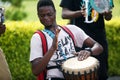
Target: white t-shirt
<point>66,49</point>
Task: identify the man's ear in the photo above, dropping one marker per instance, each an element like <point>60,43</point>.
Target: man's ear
<point>37,14</point>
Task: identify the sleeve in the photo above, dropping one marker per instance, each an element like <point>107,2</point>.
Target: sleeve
<point>79,35</point>
<point>35,47</point>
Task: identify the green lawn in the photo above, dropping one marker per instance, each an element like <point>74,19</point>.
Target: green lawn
<point>116,9</point>
<point>30,8</point>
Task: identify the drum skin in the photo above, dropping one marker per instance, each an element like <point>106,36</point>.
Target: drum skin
<point>80,70</point>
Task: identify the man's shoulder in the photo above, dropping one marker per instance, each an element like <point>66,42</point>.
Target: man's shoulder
<point>70,25</point>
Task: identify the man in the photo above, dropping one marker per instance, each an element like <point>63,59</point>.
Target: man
<point>59,43</point>
<point>4,69</point>
<point>95,28</point>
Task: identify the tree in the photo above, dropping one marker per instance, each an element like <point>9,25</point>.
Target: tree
<point>15,10</point>
<point>16,3</point>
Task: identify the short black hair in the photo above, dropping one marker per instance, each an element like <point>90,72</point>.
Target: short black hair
<point>42,3</point>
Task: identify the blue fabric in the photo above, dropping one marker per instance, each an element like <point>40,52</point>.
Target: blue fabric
<point>50,33</point>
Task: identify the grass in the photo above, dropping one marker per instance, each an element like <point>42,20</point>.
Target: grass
<point>32,12</point>
<point>30,8</point>
<point>116,9</point>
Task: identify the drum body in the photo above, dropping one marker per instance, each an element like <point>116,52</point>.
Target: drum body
<point>80,70</point>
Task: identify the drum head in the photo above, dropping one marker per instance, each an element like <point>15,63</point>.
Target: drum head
<point>73,65</point>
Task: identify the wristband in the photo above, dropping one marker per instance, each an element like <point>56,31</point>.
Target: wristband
<point>89,49</point>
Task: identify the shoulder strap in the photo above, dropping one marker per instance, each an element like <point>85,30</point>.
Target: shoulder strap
<point>42,75</point>
<point>44,42</point>
<point>72,36</point>
<point>70,33</point>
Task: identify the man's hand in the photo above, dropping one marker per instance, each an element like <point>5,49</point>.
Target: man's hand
<point>55,40</point>
<point>108,15</point>
<point>83,11</point>
<point>83,54</point>
<point>2,28</point>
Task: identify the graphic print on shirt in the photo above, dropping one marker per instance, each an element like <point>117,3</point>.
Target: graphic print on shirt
<point>65,49</point>
<point>90,12</point>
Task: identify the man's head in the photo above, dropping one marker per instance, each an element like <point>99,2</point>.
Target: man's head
<point>46,12</point>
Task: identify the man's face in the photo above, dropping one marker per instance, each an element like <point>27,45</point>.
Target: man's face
<point>46,15</point>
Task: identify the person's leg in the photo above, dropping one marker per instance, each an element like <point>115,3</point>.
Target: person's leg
<point>4,69</point>
<point>103,69</point>
<point>102,73</point>
<point>103,59</point>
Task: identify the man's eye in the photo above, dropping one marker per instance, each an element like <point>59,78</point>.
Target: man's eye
<point>50,14</point>
<point>41,15</point>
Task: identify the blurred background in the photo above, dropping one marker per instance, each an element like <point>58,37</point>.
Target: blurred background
<point>21,22</point>
<point>26,9</point>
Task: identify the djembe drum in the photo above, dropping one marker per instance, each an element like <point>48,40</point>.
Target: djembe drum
<point>80,70</point>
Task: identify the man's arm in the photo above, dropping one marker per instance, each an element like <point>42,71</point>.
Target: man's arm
<point>68,14</point>
<point>94,48</point>
<point>39,64</point>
